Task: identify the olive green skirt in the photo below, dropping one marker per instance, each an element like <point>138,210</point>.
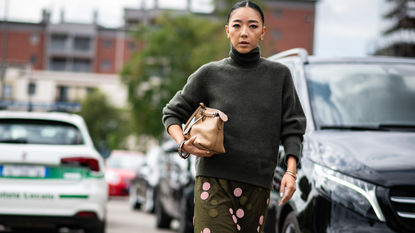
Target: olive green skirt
<point>225,206</point>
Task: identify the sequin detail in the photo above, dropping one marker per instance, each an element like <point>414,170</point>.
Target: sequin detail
<point>238,227</point>
<point>206,230</point>
<point>214,202</point>
<point>234,219</point>
<point>261,220</point>
<point>260,189</point>
<point>240,213</point>
<point>204,195</point>
<point>206,186</point>
<point>231,210</point>
<point>237,192</point>
<point>249,207</point>
<point>213,213</point>
<point>243,200</point>
<point>222,182</point>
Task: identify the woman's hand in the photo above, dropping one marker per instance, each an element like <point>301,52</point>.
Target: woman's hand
<point>188,147</point>
<point>288,181</point>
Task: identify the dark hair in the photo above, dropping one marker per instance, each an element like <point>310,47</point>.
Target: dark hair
<point>247,4</point>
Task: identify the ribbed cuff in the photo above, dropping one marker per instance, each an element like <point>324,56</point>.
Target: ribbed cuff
<point>171,121</point>
<point>292,146</point>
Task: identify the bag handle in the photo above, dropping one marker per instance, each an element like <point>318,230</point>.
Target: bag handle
<point>187,127</point>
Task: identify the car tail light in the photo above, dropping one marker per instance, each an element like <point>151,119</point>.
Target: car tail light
<point>91,163</point>
<point>86,214</point>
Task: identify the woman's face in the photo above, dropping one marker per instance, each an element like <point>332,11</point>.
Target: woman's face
<point>245,29</point>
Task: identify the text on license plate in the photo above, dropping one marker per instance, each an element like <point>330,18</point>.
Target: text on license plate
<point>23,171</point>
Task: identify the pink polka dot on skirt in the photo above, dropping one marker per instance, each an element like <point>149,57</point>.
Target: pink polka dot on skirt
<point>206,186</point>
<point>268,201</point>
<point>239,227</point>
<point>237,192</point>
<point>261,219</point>
<point>234,219</point>
<point>240,213</point>
<point>257,229</point>
<point>204,195</point>
<point>206,230</point>
<point>231,210</point>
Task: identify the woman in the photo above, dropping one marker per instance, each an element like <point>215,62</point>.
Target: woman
<point>232,189</point>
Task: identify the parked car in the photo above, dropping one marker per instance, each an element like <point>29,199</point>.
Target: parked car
<point>50,174</point>
<point>357,172</point>
<point>166,184</point>
<point>146,181</point>
<point>120,169</point>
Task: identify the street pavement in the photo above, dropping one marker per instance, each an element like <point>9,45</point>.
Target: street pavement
<point>123,219</point>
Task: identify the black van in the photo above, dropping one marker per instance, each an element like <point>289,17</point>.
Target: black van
<point>357,172</point>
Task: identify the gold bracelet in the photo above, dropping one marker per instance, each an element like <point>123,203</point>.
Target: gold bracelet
<point>292,174</point>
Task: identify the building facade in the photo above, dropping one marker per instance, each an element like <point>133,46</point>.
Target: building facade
<point>71,51</point>
<point>398,33</point>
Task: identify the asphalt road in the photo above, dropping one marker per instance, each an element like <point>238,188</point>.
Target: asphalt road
<point>123,219</point>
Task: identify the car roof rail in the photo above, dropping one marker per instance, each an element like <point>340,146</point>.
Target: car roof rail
<point>302,53</point>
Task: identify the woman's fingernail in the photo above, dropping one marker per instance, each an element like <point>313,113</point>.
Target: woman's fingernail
<point>208,152</point>
<point>281,194</point>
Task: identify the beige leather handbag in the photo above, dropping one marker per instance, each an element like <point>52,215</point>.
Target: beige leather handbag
<point>207,124</point>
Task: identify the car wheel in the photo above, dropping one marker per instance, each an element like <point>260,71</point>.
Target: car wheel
<point>291,224</point>
<point>133,199</point>
<point>187,212</point>
<point>162,219</point>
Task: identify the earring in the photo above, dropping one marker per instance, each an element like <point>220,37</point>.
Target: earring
<point>262,38</point>
<point>227,37</point>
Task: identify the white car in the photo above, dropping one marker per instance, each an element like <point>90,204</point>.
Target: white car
<point>50,174</point>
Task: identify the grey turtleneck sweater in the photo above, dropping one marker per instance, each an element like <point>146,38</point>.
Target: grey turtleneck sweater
<point>259,97</point>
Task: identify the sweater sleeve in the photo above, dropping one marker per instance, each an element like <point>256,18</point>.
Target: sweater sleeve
<point>187,100</point>
<point>293,121</point>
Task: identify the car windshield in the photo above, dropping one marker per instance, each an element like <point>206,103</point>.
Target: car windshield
<point>125,162</point>
<point>369,94</point>
<point>26,131</point>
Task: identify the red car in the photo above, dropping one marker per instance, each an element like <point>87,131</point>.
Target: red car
<point>121,168</point>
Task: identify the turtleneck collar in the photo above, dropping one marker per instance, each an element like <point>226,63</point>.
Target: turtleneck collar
<point>245,59</point>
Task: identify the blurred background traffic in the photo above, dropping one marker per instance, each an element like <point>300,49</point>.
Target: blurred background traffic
<point>117,64</point>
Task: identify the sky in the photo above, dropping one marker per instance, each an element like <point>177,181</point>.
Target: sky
<point>342,27</point>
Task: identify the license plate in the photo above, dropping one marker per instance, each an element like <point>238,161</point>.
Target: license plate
<point>23,171</point>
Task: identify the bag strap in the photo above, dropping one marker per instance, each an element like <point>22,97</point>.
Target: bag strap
<point>188,126</point>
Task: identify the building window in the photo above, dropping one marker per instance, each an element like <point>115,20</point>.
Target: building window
<point>31,88</point>
<point>278,13</point>
<point>82,43</point>
<point>33,59</point>
<point>63,92</point>
<point>8,90</point>
<point>58,64</point>
<point>276,34</point>
<point>131,45</point>
<point>82,65</point>
<point>58,42</point>
<point>107,43</point>
<point>106,65</point>
<point>34,39</point>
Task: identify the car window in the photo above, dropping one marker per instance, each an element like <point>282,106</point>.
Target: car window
<point>48,132</point>
<point>125,162</point>
<point>367,94</point>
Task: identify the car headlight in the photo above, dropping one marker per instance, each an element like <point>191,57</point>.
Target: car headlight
<point>112,177</point>
<point>350,192</point>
